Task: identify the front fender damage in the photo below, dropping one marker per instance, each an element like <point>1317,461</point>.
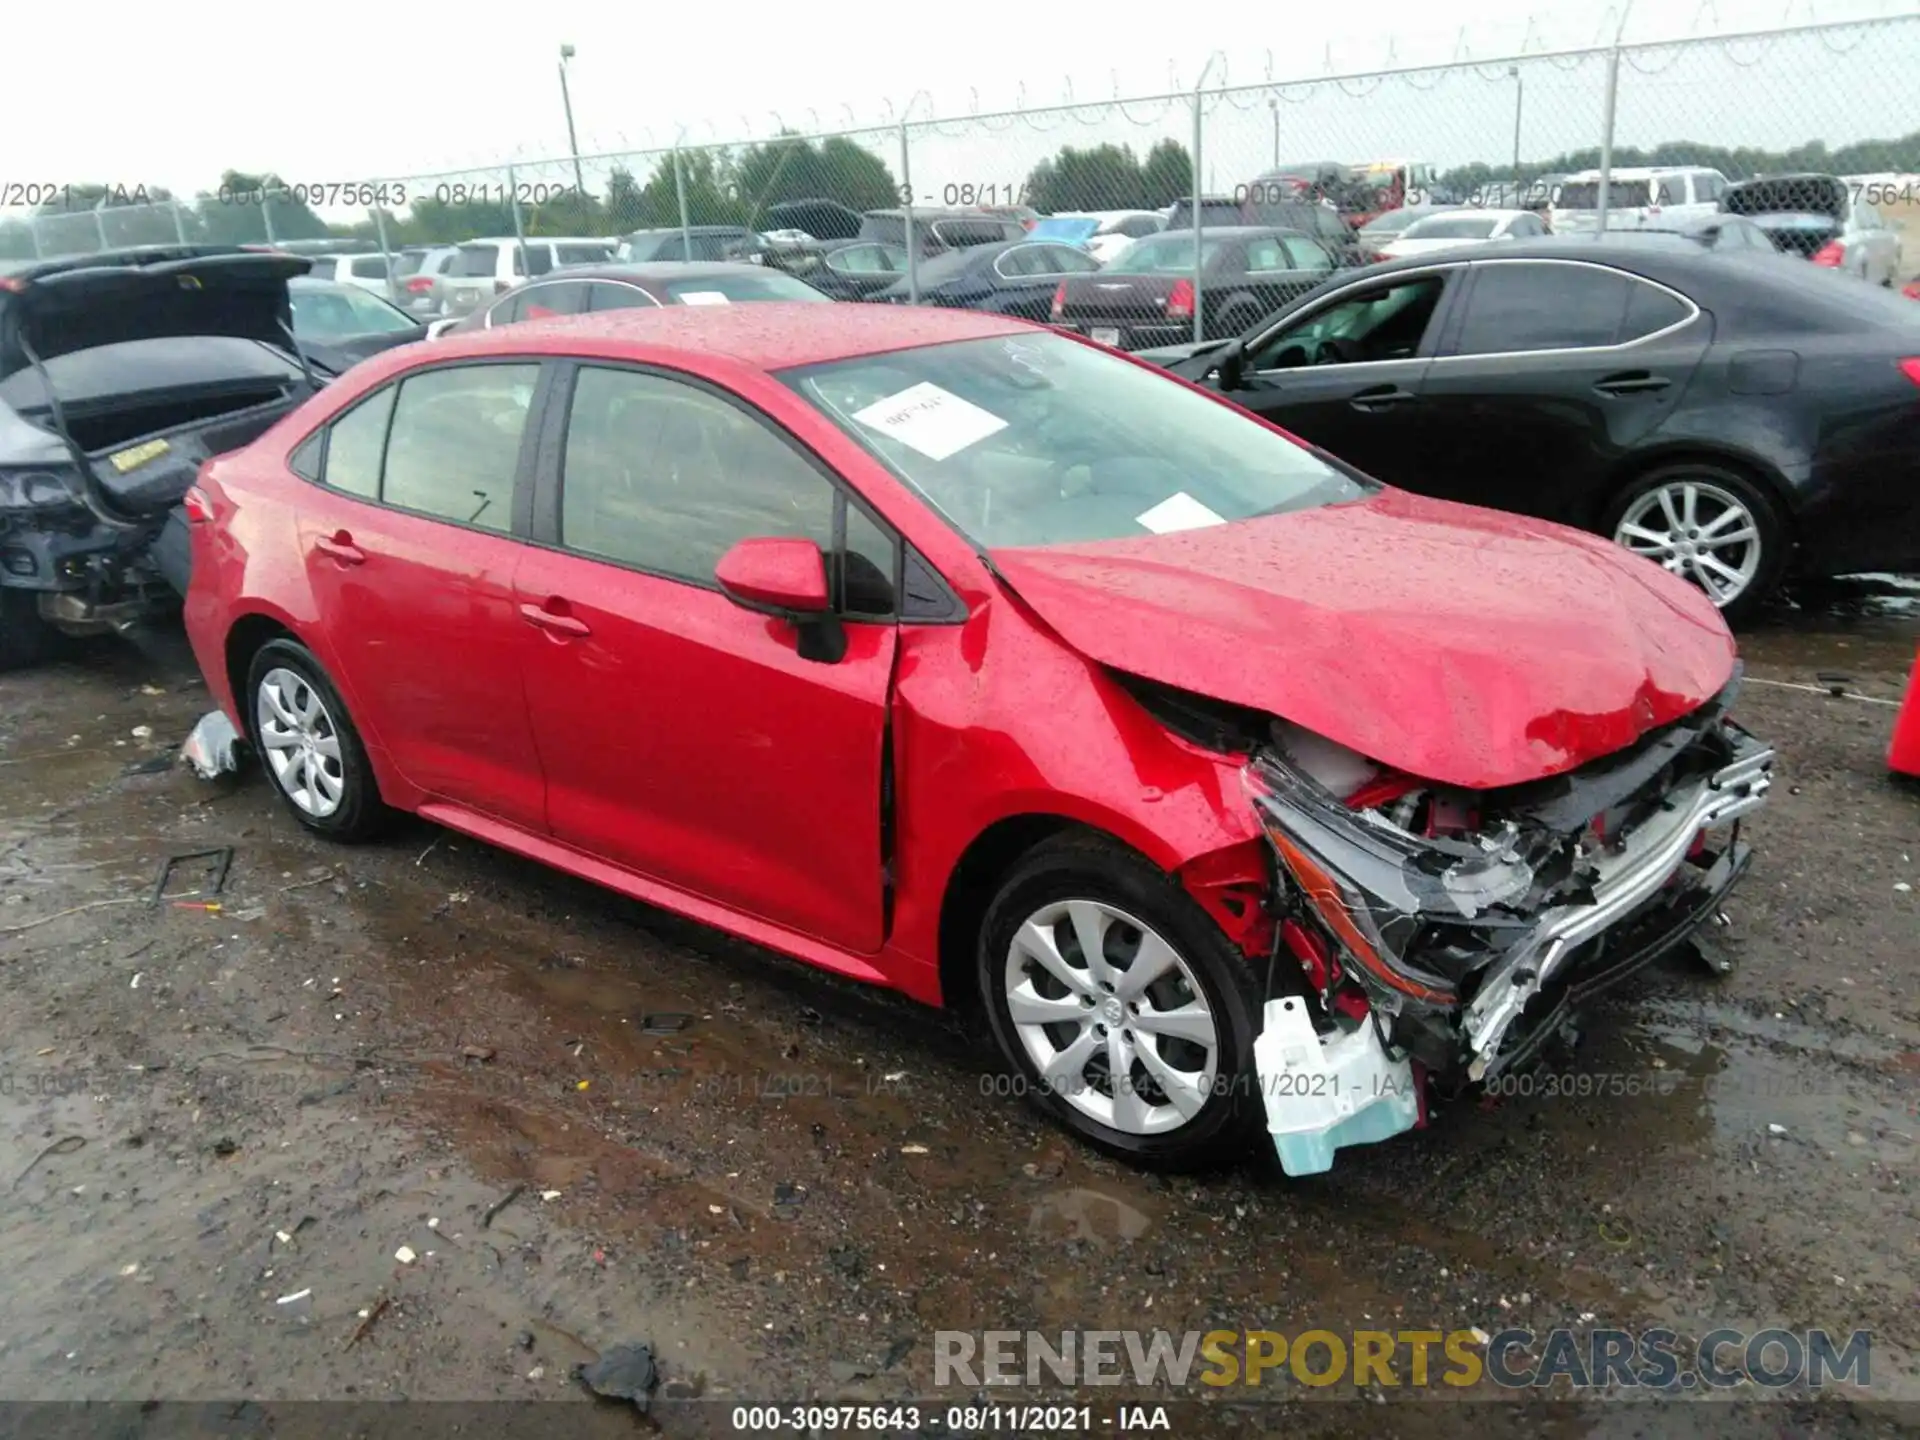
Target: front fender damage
<point>1447,935</point>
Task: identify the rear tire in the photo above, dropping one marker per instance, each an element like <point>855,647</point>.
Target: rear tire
<point>1186,1037</point>
<point>26,639</point>
<point>1697,538</point>
<point>307,743</point>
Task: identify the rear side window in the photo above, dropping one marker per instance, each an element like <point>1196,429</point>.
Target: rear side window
<point>476,262</point>
<point>583,254</point>
<point>320,270</point>
<point>454,445</point>
<point>1649,309</point>
<point>1304,254</point>
<point>605,296</point>
<point>370,267</point>
<point>1671,190</point>
<point>355,443</point>
<point>1518,307</point>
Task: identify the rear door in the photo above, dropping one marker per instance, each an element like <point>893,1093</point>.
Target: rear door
<point>685,738</point>
<point>1348,373</point>
<point>1552,372</point>
<point>409,550</point>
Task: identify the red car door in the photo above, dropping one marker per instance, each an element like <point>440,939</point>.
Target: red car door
<point>683,737</point>
<point>411,565</point>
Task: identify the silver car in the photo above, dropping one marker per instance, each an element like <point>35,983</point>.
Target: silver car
<point>415,268</point>
<point>1822,219</point>
<point>493,265</point>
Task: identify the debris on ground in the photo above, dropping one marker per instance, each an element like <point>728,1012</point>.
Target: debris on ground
<point>405,1255</point>
<point>623,1372</point>
<point>295,1296</point>
<point>215,864</point>
<point>213,746</point>
<point>488,1215</point>
<point>788,1197</point>
<point>65,1145</point>
<point>914,1150</point>
<point>368,1318</point>
<point>668,1022</point>
<point>477,1052</point>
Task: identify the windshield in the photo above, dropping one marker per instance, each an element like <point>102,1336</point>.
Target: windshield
<point>1621,194</point>
<point>1391,223</point>
<point>323,311</point>
<point>1170,254</point>
<point>1040,440</point>
<point>725,289</point>
<point>1072,231</point>
<point>1452,227</point>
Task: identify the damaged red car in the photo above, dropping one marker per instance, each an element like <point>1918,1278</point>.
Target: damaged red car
<point>1231,790</point>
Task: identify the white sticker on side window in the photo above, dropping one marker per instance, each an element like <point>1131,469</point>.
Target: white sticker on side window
<point>703,297</point>
<point>1178,512</point>
<point>933,421</point>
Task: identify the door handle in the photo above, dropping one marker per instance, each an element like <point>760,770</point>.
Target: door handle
<point>339,546</point>
<point>1380,397</point>
<point>559,624</point>
<point>1637,382</point>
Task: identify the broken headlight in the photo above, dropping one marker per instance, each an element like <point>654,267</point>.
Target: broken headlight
<point>1396,902</point>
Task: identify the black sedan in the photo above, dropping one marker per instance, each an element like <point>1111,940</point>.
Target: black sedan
<point>1009,277</point>
<point>1146,297</point>
<point>337,325</point>
<point>1736,418</point>
<point>577,289</point>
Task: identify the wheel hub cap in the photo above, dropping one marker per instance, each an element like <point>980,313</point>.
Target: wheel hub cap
<point>1112,1017</point>
<point>1698,530</point>
<point>300,742</point>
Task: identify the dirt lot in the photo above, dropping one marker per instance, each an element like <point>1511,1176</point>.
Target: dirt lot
<point>224,1125</point>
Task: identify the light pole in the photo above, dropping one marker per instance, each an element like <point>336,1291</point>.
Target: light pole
<point>1274,106</point>
<point>1519,96</point>
<point>573,144</point>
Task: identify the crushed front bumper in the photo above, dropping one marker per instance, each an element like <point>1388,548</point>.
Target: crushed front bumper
<point>1462,956</point>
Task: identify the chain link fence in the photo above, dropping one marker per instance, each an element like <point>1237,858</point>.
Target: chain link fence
<point>1624,135</point>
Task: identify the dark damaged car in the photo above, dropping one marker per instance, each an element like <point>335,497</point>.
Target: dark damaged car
<point>1243,799</point>
<point>119,374</point>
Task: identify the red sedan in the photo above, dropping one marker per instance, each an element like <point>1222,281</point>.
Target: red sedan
<point>1223,784</point>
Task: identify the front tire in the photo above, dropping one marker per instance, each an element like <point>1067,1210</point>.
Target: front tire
<point>1708,524</point>
<point>1092,965</point>
<point>307,742</point>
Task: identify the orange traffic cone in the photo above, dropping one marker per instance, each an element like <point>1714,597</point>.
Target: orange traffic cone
<point>1903,755</point>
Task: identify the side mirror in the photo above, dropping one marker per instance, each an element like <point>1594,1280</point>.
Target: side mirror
<point>1232,364</point>
<point>787,579</point>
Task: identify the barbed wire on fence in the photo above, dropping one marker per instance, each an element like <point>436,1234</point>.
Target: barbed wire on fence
<point>1472,128</point>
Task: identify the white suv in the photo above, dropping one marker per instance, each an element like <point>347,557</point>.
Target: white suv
<point>1636,197</point>
<point>492,266</point>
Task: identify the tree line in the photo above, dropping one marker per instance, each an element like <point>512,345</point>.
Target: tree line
<point>735,188</point>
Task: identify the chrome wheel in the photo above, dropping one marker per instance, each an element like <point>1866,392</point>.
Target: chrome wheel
<point>1699,531</point>
<point>300,742</point>
<point>1112,1017</point>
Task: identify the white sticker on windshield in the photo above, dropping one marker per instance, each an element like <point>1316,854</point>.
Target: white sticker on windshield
<point>703,297</point>
<point>933,421</point>
<point>1178,512</point>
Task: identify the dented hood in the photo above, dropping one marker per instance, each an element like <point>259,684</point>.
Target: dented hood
<point>1461,645</point>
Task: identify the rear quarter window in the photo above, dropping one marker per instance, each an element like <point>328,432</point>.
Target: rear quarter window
<point>477,261</point>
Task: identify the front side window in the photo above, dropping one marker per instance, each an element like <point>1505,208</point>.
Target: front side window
<point>1038,440</point>
<point>370,267</point>
<point>667,477</point>
<point>1306,254</point>
<point>454,444</point>
<point>1386,322</point>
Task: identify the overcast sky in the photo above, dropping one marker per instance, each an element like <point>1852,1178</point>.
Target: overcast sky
<point>356,90</point>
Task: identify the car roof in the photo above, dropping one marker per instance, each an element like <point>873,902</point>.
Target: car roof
<point>690,229</point>
<point>1488,211</point>
<point>1656,262</point>
<point>771,336</point>
<point>540,240</point>
<point>1232,232</point>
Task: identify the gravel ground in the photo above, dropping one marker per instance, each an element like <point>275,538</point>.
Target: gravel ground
<point>225,1127</point>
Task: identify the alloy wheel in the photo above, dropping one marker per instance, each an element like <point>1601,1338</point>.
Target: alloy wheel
<point>300,742</point>
<point>1700,532</point>
<point>1112,1017</point>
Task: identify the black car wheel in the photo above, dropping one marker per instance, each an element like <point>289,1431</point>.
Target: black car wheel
<point>1709,524</point>
<point>25,638</point>
<point>306,740</point>
<point>1121,1011</point>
